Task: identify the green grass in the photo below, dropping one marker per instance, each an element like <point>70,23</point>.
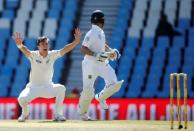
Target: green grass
<point>76,125</point>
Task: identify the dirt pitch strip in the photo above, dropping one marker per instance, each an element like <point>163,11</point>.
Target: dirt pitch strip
<point>76,125</point>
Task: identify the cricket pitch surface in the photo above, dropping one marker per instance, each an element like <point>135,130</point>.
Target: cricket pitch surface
<point>77,125</point>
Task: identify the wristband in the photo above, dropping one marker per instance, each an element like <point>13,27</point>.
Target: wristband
<point>20,46</point>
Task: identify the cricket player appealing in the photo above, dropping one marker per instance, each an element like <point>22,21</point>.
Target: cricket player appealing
<point>40,81</point>
<point>95,63</point>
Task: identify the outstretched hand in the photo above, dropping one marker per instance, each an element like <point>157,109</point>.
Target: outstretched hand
<point>77,35</point>
<point>17,37</point>
<point>19,43</point>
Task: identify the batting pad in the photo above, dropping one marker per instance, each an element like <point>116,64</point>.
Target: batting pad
<point>110,90</point>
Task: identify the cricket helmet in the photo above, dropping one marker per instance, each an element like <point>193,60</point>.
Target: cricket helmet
<point>97,17</point>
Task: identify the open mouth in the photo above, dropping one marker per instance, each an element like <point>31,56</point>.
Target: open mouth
<point>45,49</point>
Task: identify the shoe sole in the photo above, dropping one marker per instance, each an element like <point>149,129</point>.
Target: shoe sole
<point>58,120</point>
<point>21,121</point>
<point>88,120</point>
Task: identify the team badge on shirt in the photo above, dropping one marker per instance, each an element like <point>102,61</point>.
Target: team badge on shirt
<point>89,76</point>
<point>38,61</point>
<point>47,61</point>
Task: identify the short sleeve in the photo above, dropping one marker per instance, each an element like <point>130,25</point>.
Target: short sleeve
<point>87,40</point>
<point>55,54</point>
<point>32,55</point>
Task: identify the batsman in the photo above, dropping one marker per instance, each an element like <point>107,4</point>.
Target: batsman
<point>96,63</point>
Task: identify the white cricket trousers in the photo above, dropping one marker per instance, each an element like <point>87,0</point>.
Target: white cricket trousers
<point>45,91</point>
<point>91,69</point>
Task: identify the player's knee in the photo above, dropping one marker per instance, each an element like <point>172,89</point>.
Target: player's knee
<point>115,85</point>
<point>22,101</point>
<point>62,87</point>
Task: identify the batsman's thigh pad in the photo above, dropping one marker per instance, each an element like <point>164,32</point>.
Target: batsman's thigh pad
<point>109,90</point>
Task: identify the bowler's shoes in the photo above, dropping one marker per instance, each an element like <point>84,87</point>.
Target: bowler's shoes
<point>22,118</point>
<point>103,103</point>
<point>85,117</point>
<point>59,118</point>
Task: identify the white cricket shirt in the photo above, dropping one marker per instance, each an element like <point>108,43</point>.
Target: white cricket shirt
<point>94,40</point>
<point>42,67</point>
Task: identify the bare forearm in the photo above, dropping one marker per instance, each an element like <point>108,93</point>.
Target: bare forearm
<point>73,44</point>
<point>107,48</point>
<point>25,51</point>
<point>68,48</point>
<point>87,51</point>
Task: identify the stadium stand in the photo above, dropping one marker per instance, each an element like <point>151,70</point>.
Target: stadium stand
<point>147,59</point>
<point>32,18</point>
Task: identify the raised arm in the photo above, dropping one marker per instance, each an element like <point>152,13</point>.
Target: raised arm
<point>73,44</point>
<point>19,43</point>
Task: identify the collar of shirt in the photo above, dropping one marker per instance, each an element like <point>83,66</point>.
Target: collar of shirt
<point>95,27</point>
<point>42,56</point>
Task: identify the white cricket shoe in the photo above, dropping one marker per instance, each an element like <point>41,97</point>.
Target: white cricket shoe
<point>59,118</point>
<point>103,103</point>
<point>85,117</point>
<point>22,118</point>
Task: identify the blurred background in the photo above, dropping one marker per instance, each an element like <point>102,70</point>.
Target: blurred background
<point>154,37</point>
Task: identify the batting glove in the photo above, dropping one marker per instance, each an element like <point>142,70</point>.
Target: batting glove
<point>101,56</point>
<point>117,55</point>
